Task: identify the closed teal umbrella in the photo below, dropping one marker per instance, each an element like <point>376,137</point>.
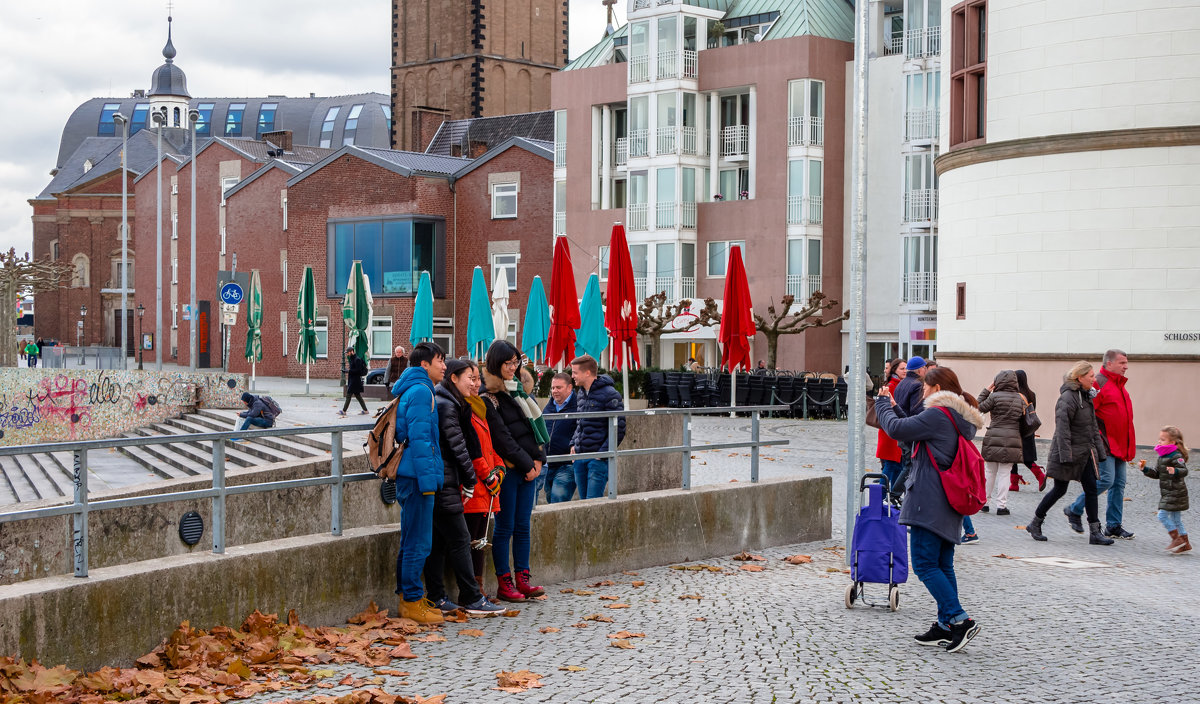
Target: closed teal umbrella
<point>306,314</point>
<point>592,336</point>
<point>422,324</point>
<point>535,331</point>
<point>480,329</point>
<point>356,312</point>
<point>254,325</point>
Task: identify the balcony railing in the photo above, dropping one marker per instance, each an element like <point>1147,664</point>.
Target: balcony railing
<point>802,286</point>
<point>639,143</point>
<point>636,216</point>
<point>806,130</point>
<point>666,142</point>
<point>893,44</point>
<point>688,221</point>
<point>690,63</point>
<point>920,205</point>
<point>921,125</point>
<point>804,210</point>
<point>664,215</point>
<point>621,157</point>
<point>687,287</point>
<point>921,43</point>
<point>735,140</point>
<point>920,288</point>
<point>560,223</point>
<point>689,141</point>
<point>560,154</point>
<point>642,4</point>
<point>639,69</point>
<point>668,64</point>
<point>640,286</point>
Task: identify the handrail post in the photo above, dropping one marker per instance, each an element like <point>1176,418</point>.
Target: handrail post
<point>612,452</point>
<point>687,450</point>
<point>754,416</point>
<point>80,527</point>
<point>335,499</point>
<point>218,501</point>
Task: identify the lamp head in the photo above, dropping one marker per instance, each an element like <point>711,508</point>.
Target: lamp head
<point>193,116</point>
<point>119,118</point>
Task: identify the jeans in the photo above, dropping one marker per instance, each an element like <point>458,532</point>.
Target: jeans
<point>933,562</point>
<point>891,470</point>
<point>560,482</point>
<point>512,523</point>
<point>450,540</point>
<point>968,526</point>
<point>258,422</point>
<point>33,360</point>
<point>1088,479</point>
<point>1172,520</point>
<point>1112,480</point>
<point>591,477</point>
<point>416,536</point>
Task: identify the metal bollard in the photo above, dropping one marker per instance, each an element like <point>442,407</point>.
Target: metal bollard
<point>79,536</point>
<point>612,461</point>
<point>687,450</point>
<point>754,416</point>
<point>335,499</point>
<point>218,502</point>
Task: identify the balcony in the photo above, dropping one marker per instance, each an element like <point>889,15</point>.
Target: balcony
<point>668,65</point>
<point>642,4</point>
<point>639,69</point>
<point>922,43</point>
<point>893,44</point>
<point>639,143</point>
<point>689,141</point>
<point>664,215</point>
<point>921,125</point>
<point>920,205</point>
<point>560,223</point>
<point>688,221</point>
<point>640,285</point>
<point>687,286</point>
<point>804,210</point>
<point>806,131</point>
<point>666,142</point>
<point>689,63</point>
<point>621,156</point>
<point>735,142</point>
<point>675,287</point>
<point>802,286</point>
<point>920,289</point>
<point>560,155</point>
<point>636,214</point>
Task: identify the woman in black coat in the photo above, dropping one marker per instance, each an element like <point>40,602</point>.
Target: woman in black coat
<point>1075,452</point>
<point>1028,442</point>
<point>356,369</point>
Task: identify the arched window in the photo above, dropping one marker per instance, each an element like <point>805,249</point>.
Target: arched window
<point>81,274</point>
<point>176,117</point>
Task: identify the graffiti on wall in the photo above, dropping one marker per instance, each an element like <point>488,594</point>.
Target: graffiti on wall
<point>45,405</point>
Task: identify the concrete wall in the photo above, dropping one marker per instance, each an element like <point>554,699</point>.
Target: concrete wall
<point>120,613</point>
<point>60,405</point>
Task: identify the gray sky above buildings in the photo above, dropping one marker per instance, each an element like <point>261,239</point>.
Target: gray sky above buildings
<point>57,54</point>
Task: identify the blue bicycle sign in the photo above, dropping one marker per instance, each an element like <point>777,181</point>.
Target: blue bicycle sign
<point>231,293</point>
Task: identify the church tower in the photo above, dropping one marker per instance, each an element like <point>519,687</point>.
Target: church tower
<point>454,59</point>
<point>168,87</point>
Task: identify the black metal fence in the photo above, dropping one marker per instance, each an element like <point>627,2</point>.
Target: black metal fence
<point>806,395</point>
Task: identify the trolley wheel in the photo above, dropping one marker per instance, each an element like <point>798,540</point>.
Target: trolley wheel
<point>851,594</point>
<point>894,598</point>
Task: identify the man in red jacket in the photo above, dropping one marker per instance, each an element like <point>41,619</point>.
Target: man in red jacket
<point>1114,413</point>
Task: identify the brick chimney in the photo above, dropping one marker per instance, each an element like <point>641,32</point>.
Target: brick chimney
<point>425,124</point>
<point>279,138</point>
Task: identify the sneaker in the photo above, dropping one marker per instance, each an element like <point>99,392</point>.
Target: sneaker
<point>363,413</point>
<point>1002,512</point>
<point>342,414</point>
<point>484,606</point>
<point>445,605</point>
<point>969,538</point>
<point>1118,532</point>
<point>936,635</point>
<point>1075,520</point>
<point>960,634</point>
<point>985,509</point>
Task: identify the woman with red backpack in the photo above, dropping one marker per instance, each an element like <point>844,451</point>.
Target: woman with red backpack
<point>934,525</point>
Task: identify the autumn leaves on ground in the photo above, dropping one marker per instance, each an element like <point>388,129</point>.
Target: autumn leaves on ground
<point>296,661</point>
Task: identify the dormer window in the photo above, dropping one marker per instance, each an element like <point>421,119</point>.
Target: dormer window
<point>87,166</point>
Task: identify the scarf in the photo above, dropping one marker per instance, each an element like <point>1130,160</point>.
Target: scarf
<point>533,414</point>
<point>1164,450</point>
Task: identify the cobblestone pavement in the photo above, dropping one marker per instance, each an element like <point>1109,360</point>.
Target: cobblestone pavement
<point>1115,632</point>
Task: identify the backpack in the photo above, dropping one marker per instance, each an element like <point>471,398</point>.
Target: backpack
<point>963,480</point>
<point>382,451</point>
<point>272,407</point>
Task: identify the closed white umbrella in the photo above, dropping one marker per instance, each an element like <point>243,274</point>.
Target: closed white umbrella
<point>500,319</point>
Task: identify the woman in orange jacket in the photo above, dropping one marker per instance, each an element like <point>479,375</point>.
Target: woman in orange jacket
<point>489,473</point>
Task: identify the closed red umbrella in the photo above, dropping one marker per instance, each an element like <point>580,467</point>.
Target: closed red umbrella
<point>621,316</point>
<point>737,321</point>
<point>564,306</point>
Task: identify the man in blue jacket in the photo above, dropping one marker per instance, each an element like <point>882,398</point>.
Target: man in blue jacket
<point>560,476</point>
<point>418,476</point>
<point>596,393</point>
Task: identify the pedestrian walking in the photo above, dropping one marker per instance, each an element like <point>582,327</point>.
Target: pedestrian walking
<point>1170,471</point>
<point>356,369</point>
<point>418,476</point>
<point>1114,415</point>
<point>560,476</point>
<point>1002,443</point>
<point>596,393</point>
<point>510,420</point>
<point>451,540</point>
<point>1075,452</point>
<point>1028,442</point>
<point>396,366</point>
<point>887,450</point>
<point>484,503</point>
<point>935,527</point>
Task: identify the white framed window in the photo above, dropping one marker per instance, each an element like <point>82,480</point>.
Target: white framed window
<point>504,200</point>
<point>381,338</point>
<point>283,267</point>
<point>174,269</point>
<point>226,183</point>
<point>446,342</point>
<point>174,317</point>
<point>283,205</point>
<point>174,225</point>
<point>222,239</point>
<point>718,256</point>
<point>322,327</point>
<point>508,262</point>
<point>53,250</point>
<point>604,263</point>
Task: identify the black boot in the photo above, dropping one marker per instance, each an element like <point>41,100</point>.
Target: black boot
<point>1035,528</point>
<point>1097,537</point>
<point>1074,520</point>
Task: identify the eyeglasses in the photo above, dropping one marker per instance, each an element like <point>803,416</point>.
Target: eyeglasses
<point>513,363</point>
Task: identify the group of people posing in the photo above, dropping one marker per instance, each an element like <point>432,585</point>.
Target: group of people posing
<point>922,411</point>
<point>475,448</point>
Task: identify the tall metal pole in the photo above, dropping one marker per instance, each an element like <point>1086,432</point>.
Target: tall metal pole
<point>160,118</point>
<point>124,122</point>
<point>857,437</point>
<point>193,117</point>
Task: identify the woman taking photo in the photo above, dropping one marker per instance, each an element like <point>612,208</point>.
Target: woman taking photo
<point>1028,442</point>
<point>935,527</point>
<point>887,450</point>
<point>510,421</point>
<point>1075,452</point>
<point>489,473</point>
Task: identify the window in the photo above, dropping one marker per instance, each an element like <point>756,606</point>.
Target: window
<point>227,182</point>
<point>174,317</point>
<point>140,113</point>
<point>393,251</point>
<point>283,206</point>
<point>233,119</point>
<point>53,250</point>
<point>806,112</point>
<point>387,114</point>
<point>507,262</point>
<point>174,225</point>
<point>718,255</point>
<point>381,338</point>
<point>266,119</point>
<point>178,116</point>
<point>446,342</point>
<point>968,72</point>
<point>733,183</point>
<point>664,269</point>
<point>108,126</point>
<point>620,193</point>
<point>174,269</point>
<point>665,197</point>
<point>81,273</point>
<point>560,139</point>
<point>322,328</point>
<point>604,263</point>
<point>960,300</point>
<point>117,270</point>
<point>204,124</point>
<point>920,270</point>
<point>327,126</point>
<point>351,127</point>
<point>504,200</point>
<point>560,207</point>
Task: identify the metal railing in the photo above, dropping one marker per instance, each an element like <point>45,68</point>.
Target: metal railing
<point>920,288</point>
<point>923,42</point>
<point>921,124</point>
<point>806,130</point>
<point>639,69</point>
<point>636,215</point>
<point>736,140</point>
<point>560,223</point>
<point>920,205</point>
<point>666,140</point>
<point>805,210</point>
<point>621,157</point>
<point>560,154</point>
<point>688,219</point>
<point>664,215</point>
<point>802,286</point>
<point>641,4</point>
<point>668,64</point>
<point>687,287</point>
<point>893,44</point>
<point>68,356</point>
<point>639,143</point>
<point>690,64</point>
<point>688,142</point>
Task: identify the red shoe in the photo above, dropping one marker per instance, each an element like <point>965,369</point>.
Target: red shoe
<point>524,586</point>
<point>1040,474</point>
<point>1015,481</point>
<point>507,591</point>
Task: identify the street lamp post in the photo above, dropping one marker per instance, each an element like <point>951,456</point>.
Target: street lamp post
<point>141,310</point>
<point>79,333</point>
<point>124,123</point>
<point>193,118</point>
<point>159,118</point>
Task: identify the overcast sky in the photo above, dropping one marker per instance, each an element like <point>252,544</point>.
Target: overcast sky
<point>55,54</point>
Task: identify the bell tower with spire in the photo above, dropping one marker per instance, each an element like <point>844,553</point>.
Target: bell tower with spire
<point>168,87</point>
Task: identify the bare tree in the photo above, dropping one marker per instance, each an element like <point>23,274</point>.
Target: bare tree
<point>656,317</point>
<point>793,322</point>
<point>20,277</point>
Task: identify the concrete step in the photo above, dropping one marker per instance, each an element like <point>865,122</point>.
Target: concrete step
<point>42,480</point>
<point>226,418</point>
<point>240,454</point>
<point>16,486</point>
<point>154,463</point>
<point>63,480</point>
<point>165,457</point>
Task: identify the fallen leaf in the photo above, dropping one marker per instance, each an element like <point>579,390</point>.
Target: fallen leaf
<point>580,625</point>
<point>605,583</point>
<point>572,668</point>
<point>699,618</point>
<point>1007,557</point>
<point>511,613</point>
<point>616,606</point>
<point>829,469</point>
<point>697,597</point>
<point>1019,527</point>
<point>430,638</point>
<point>598,617</point>
<point>834,548</point>
<point>548,629</point>
<point>584,592</point>
<point>517,681</point>
<point>626,634</point>
<point>608,597</point>
<point>391,673</point>
<point>745,557</point>
<point>751,568</point>
<point>474,632</point>
<point>798,559</point>
<point>568,590</point>
<point>621,643</point>
<point>832,569</point>
<point>639,583</point>
<point>630,573</point>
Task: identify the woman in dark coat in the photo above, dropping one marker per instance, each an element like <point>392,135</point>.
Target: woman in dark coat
<point>1028,442</point>
<point>356,369</point>
<point>1002,444</point>
<point>1075,452</point>
<point>514,439</point>
<point>934,526</point>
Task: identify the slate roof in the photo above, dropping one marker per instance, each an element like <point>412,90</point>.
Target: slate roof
<point>288,168</point>
<point>105,155</point>
<point>258,150</point>
<point>598,55</point>
<point>492,131</point>
<point>539,147</point>
<point>404,163</point>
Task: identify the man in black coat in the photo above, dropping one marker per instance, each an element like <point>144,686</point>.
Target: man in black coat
<point>560,476</point>
<point>596,393</point>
